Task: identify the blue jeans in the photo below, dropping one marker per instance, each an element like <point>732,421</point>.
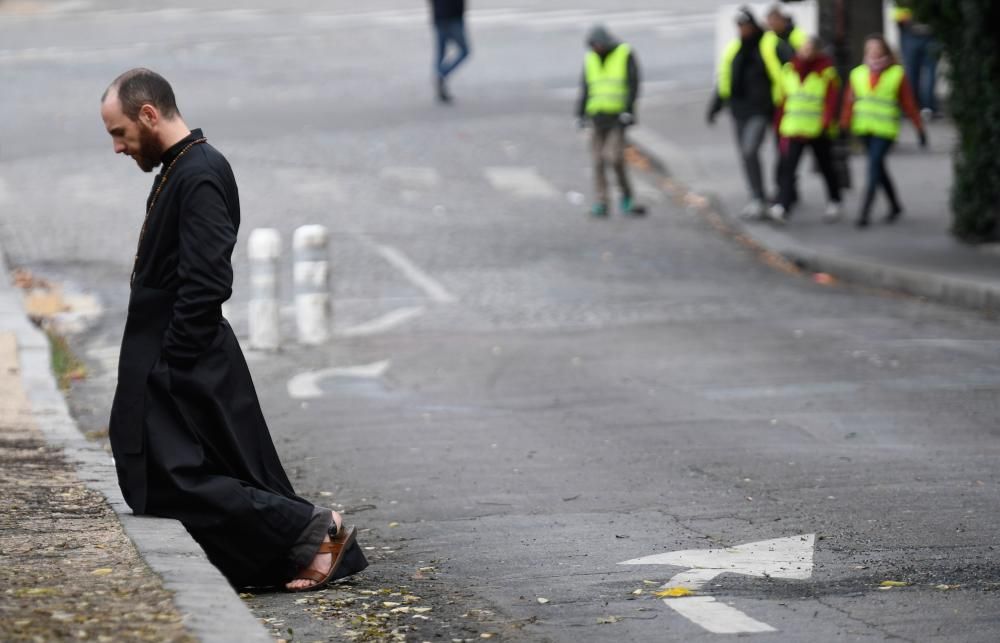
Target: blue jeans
<point>920,59</point>
<point>450,31</point>
<point>878,174</point>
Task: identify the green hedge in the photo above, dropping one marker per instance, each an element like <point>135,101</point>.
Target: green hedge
<point>968,33</point>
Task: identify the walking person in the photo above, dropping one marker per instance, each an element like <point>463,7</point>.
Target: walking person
<point>449,28</point>
<point>921,52</point>
<point>785,37</point>
<point>187,433</point>
<point>807,116</point>
<point>608,95</point>
<point>748,84</point>
<point>876,97</point>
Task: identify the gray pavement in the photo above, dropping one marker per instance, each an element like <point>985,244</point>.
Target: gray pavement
<point>919,256</point>
<point>597,391</point>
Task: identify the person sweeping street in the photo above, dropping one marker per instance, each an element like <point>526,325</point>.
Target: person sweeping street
<point>608,95</point>
<point>187,432</point>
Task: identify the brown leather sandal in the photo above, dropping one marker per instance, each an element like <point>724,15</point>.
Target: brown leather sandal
<point>340,542</point>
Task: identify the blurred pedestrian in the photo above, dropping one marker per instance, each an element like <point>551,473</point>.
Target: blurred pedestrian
<point>785,37</point>
<point>608,95</point>
<point>921,52</point>
<point>187,433</point>
<point>877,96</point>
<point>782,29</point>
<point>807,116</point>
<point>748,83</point>
<point>449,27</point>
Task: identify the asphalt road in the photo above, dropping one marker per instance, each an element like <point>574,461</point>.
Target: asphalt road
<point>562,394</point>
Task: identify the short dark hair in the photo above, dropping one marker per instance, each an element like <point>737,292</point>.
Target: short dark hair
<point>141,86</point>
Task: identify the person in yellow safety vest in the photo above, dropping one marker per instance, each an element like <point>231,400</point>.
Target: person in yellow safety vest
<point>748,84</point>
<point>810,88</point>
<point>876,97</point>
<point>785,38</point>
<point>608,95</point>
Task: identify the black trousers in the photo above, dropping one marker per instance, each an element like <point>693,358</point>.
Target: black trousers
<point>822,148</point>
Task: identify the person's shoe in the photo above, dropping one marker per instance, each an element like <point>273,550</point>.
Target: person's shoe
<point>778,214</point>
<point>833,212</point>
<point>894,214</point>
<point>753,211</point>
<point>632,209</point>
<point>862,221</point>
<point>599,210</point>
<point>442,91</point>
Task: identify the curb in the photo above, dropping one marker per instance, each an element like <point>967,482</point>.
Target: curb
<point>210,608</point>
<point>966,293</point>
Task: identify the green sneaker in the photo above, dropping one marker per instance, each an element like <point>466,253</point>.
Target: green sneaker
<point>599,210</point>
<point>632,209</point>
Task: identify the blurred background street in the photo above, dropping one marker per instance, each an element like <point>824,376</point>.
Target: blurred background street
<point>561,394</point>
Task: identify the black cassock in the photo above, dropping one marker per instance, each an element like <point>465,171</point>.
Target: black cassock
<point>189,439</point>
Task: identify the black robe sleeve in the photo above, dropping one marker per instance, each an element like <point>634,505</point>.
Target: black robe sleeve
<point>207,237</point>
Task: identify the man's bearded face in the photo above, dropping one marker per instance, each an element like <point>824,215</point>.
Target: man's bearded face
<point>149,151</point>
<point>131,137</point>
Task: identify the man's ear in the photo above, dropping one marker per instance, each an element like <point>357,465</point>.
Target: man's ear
<point>148,115</point>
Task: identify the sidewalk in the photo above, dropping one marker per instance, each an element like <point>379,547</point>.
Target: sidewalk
<point>916,256</point>
<point>74,562</point>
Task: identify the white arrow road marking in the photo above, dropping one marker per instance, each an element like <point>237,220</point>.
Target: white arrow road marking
<point>305,386</point>
<point>381,324</point>
<point>788,558</point>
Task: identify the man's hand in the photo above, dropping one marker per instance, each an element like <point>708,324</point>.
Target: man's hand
<point>626,119</point>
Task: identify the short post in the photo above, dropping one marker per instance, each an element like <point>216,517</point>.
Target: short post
<point>264,322</point>
<point>311,274</point>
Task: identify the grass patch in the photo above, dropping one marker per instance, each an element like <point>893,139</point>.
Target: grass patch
<point>67,367</point>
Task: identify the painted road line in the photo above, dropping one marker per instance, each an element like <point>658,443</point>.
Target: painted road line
<point>384,323</point>
<point>305,386</point>
<point>788,558</point>
<point>520,181</point>
<point>421,177</point>
<point>438,293</point>
<point>716,617</point>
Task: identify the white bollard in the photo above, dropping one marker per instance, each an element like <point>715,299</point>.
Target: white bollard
<point>311,274</point>
<point>265,322</point>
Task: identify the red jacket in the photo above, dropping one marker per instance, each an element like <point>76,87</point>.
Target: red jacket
<point>818,64</point>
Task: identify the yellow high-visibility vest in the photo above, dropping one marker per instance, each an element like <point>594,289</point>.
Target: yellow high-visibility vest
<point>771,62</point>
<point>607,81</point>
<point>805,101</point>
<point>876,109</point>
<point>796,39</point>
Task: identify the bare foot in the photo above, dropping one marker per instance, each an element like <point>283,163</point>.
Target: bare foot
<point>321,563</point>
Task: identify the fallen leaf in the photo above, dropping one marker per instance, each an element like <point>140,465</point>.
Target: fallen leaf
<point>102,571</point>
<point>608,620</point>
<point>944,587</point>
<point>649,582</point>
<point>541,600</point>
<point>674,592</point>
<point>637,592</point>
<point>393,524</point>
<point>486,635</point>
<point>893,583</point>
<point>422,610</point>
